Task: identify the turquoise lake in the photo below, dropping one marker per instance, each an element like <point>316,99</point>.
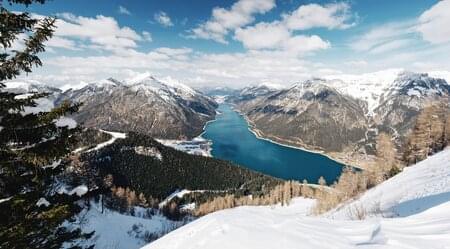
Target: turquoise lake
<point>233,141</point>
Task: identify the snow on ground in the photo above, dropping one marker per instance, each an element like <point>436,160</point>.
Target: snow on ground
<point>179,194</point>
<point>5,199</point>
<point>115,136</point>
<point>66,121</point>
<point>42,105</point>
<point>121,231</point>
<point>196,146</point>
<point>220,98</point>
<point>368,87</point>
<point>79,190</point>
<point>53,165</point>
<point>420,196</point>
<point>42,202</point>
<point>417,188</point>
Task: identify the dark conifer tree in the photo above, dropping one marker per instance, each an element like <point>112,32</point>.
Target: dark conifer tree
<point>29,142</point>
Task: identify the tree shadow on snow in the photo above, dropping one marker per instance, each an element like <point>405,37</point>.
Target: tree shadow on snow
<point>419,205</point>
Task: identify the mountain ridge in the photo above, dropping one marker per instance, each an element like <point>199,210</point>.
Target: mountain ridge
<point>342,119</point>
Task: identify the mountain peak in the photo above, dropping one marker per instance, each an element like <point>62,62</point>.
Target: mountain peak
<point>143,77</point>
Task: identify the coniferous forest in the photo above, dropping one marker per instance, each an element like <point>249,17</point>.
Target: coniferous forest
<point>163,170</point>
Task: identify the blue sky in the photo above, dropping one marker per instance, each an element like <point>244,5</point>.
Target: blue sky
<point>205,42</point>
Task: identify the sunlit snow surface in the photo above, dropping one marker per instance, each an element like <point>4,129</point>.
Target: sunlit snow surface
<point>120,231</point>
<point>420,196</point>
<point>196,146</point>
<point>115,136</point>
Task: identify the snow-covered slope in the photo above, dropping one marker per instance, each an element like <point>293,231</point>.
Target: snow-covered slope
<point>421,194</point>
<point>25,87</point>
<point>167,87</point>
<point>121,230</point>
<point>416,189</point>
<point>259,90</point>
<point>374,87</point>
<point>114,137</point>
<point>163,108</point>
<point>368,87</point>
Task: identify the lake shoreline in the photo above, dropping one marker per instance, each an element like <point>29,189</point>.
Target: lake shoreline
<point>234,139</point>
<point>260,135</point>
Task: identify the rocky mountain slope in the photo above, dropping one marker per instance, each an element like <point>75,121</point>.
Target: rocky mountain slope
<point>409,210</point>
<point>342,117</point>
<point>160,108</point>
<point>144,104</point>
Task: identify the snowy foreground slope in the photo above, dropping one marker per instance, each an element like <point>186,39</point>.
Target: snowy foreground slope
<point>411,210</point>
<point>114,230</point>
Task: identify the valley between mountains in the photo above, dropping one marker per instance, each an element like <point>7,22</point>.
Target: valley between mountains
<point>145,169</point>
<point>237,124</point>
<point>341,117</point>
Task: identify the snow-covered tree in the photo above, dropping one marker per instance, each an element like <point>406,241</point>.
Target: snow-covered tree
<point>30,216</point>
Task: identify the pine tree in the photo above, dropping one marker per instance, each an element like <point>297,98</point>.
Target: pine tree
<point>28,142</point>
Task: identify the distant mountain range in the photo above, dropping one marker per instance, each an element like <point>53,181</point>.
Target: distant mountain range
<point>145,104</point>
<point>338,115</point>
<point>341,116</point>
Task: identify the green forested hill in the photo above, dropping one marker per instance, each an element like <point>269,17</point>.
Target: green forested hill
<point>143,164</point>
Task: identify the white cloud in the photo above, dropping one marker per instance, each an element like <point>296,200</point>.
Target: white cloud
<point>357,63</point>
<point>162,18</point>
<point>98,32</point>
<point>302,44</point>
<point>184,64</point>
<point>276,36</point>
<point>60,42</point>
<point>223,20</point>
<point>384,34</point>
<point>279,34</point>
<point>331,16</point>
<point>274,49</point>
<point>147,36</point>
<point>390,46</point>
<point>434,24</point>
<point>263,36</point>
<point>123,10</point>
<point>174,51</point>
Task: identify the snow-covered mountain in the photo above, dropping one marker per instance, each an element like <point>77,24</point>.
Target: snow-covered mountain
<point>368,87</point>
<point>374,88</point>
<point>409,210</point>
<point>27,86</point>
<point>219,91</point>
<point>163,108</point>
<point>341,115</point>
<point>262,89</point>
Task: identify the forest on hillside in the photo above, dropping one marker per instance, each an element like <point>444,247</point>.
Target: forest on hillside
<point>148,167</point>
